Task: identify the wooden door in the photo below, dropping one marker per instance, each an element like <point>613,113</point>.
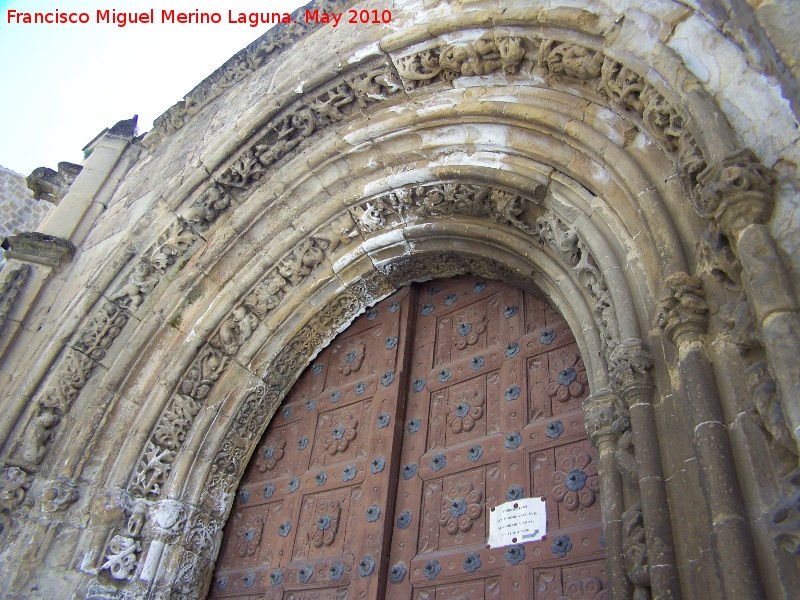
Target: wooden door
<point>375,477</point>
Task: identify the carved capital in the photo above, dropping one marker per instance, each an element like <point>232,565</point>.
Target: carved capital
<point>38,248</point>
<point>682,307</point>
<point>736,192</point>
<point>169,517</point>
<point>600,410</point>
<point>50,185</point>
<point>628,366</point>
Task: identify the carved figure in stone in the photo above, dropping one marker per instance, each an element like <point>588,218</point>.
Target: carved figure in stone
<point>511,53</point>
<point>235,330</point>
<point>142,281</point>
<point>50,185</point>
<point>38,434</point>
<point>622,86</point>
<point>635,551</point>
<point>14,485</point>
<point>267,295</point>
<point>209,206</point>
<point>301,262</point>
<point>571,60</point>
<point>624,455</point>
<point>682,306</point>
<point>58,494</point>
<point>477,58</point>
<point>628,365</point>
<point>341,231</point>
<point>769,409</point>
<point>370,219</point>
<point>169,517</point>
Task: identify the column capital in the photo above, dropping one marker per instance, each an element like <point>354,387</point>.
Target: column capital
<point>600,410</point>
<point>736,192</point>
<point>628,367</point>
<point>682,307</point>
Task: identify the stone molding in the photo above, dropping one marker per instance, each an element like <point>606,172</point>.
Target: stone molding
<point>39,248</point>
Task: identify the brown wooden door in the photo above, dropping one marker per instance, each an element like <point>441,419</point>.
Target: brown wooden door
<point>375,477</point>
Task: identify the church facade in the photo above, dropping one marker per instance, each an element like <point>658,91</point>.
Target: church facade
<point>367,282</point>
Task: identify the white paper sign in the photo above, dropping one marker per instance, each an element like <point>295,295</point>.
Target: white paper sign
<point>517,522</point>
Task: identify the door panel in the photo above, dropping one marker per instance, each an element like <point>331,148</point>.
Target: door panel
<point>376,477</point>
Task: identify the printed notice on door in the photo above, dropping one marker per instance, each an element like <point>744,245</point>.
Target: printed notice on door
<point>517,522</point>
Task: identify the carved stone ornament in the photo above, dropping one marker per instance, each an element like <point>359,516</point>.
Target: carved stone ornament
<point>14,485</point>
<point>38,248</point>
<point>682,307</point>
<point>122,557</point>
<point>234,331</point>
<point>600,410</point>
<point>445,63</point>
<point>635,551</point>
<point>50,185</point>
<point>737,192</point>
<point>58,494</point>
<point>768,409</point>
<point>9,289</point>
<point>169,517</point>
<point>141,282</point>
<point>628,367</point>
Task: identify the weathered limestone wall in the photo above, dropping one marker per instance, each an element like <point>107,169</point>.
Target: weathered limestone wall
<point>629,162</point>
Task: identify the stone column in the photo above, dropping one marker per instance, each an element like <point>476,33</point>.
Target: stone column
<point>629,364</point>
<point>600,410</point>
<point>682,316</point>
<point>737,196</point>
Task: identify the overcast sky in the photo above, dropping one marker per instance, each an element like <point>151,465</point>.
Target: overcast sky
<point>60,85</point>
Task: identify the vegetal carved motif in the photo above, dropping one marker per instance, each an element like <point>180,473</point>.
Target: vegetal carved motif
<point>122,558</point>
<point>576,482</point>
<point>682,306</point>
<point>14,485</point>
<point>461,510</point>
<point>465,411</point>
<point>635,550</point>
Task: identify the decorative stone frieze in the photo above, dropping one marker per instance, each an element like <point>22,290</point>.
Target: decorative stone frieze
<point>319,110</point>
<point>9,289</point>
<point>563,240</point>
<point>768,409</point>
<point>683,310</point>
<point>736,192</point>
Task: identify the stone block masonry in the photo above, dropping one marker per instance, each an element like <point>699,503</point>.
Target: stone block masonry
<point>19,212</point>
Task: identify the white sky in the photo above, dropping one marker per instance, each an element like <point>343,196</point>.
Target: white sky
<point>61,85</point>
